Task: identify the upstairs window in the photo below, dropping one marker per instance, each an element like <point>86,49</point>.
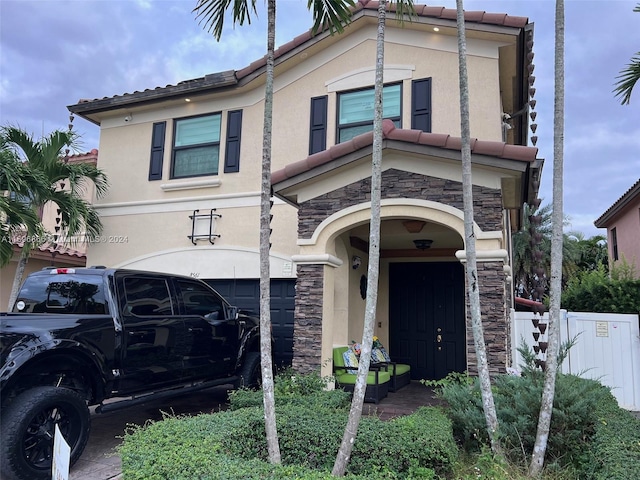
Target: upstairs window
<point>196,146</point>
<point>355,110</point>
<point>614,244</point>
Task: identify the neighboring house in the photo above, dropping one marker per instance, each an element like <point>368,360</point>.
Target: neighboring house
<point>49,253</point>
<point>622,221</point>
<point>184,163</point>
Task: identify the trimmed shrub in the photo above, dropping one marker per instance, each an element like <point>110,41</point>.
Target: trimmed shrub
<point>292,388</point>
<point>232,444</point>
<point>517,401</point>
<point>311,437</point>
<point>615,448</point>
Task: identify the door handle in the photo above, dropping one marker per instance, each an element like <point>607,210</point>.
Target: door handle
<point>195,330</point>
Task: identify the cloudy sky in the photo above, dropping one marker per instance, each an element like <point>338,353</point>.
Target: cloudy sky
<point>55,52</point>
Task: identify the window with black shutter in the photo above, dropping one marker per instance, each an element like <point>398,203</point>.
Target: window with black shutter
<point>157,150</point>
<point>421,104</point>
<point>318,125</point>
<point>232,152</point>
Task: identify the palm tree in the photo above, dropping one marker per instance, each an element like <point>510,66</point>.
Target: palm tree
<point>629,76</point>
<point>471,269</point>
<point>45,156</point>
<point>355,413</point>
<point>325,13</point>
<point>590,252</point>
<point>548,390</point>
<point>16,217</point>
<point>535,236</point>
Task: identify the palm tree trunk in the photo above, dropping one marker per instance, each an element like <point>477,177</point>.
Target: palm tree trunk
<point>355,413</point>
<point>470,240</point>
<point>548,391</point>
<point>266,360</point>
<point>19,275</point>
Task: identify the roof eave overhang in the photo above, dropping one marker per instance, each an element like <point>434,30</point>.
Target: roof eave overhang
<point>605,219</point>
<point>215,82</point>
<point>287,189</point>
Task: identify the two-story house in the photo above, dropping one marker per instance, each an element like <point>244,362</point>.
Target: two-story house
<point>184,163</point>
<point>622,221</point>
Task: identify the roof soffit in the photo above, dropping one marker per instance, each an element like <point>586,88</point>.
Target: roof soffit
<point>287,56</point>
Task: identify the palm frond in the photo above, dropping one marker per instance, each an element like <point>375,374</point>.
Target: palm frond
<point>331,14</point>
<point>211,14</point>
<point>627,79</point>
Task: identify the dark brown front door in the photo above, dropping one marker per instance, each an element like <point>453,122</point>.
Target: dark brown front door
<point>427,318</point>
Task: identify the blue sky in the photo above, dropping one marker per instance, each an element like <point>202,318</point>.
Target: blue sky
<point>55,52</point>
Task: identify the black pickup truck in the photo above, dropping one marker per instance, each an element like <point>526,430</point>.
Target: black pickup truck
<point>77,337</point>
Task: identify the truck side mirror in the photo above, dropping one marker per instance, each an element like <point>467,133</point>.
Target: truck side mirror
<point>232,312</point>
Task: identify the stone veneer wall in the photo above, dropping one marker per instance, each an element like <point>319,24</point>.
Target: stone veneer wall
<point>307,336</point>
<point>397,184</point>
<point>494,322</point>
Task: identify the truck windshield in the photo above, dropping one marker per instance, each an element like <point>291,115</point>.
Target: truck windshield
<point>62,293</point>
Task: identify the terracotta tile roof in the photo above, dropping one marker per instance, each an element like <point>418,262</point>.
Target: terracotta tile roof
<point>500,19</point>
<point>88,157</point>
<point>390,132</point>
<point>623,201</point>
<point>53,249</point>
<point>230,77</point>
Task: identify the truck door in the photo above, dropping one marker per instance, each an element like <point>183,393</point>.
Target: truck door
<point>152,332</point>
<point>213,339</point>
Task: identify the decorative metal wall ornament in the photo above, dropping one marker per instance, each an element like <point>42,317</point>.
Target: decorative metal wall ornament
<point>211,236</point>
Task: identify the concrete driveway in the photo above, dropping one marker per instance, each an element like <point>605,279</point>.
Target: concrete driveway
<point>99,460</point>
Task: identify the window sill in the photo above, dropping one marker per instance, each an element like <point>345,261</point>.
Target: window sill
<point>190,185</point>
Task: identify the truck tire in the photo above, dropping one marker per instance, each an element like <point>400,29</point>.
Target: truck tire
<point>28,427</point>
<point>250,373</point>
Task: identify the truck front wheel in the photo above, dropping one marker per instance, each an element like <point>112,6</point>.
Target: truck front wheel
<point>28,428</point>
<point>250,373</point>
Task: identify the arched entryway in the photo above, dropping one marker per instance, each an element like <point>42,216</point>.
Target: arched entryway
<point>420,291</point>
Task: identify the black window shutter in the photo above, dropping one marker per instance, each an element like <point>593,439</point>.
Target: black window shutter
<point>232,150</point>
<point>421,104</point>
<point>318,125</point>
<point>157,150</point>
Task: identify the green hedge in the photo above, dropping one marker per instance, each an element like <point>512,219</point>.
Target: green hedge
<point>599,291</point>
<point>310,421</point>
<point>231,444</point>
<point>615,448</point>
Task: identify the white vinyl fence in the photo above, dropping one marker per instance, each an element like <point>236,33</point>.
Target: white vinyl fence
<point>607,348</point>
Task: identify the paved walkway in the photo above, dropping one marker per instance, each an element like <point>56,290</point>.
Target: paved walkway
<point>100,461</point>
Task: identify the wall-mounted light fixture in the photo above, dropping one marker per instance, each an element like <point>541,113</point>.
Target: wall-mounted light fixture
<point>356,261</point>
<point>423,243</point>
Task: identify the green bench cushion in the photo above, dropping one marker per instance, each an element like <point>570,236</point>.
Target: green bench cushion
<point>350,379</point>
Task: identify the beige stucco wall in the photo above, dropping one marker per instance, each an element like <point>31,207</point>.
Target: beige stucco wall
<point>142,217</point>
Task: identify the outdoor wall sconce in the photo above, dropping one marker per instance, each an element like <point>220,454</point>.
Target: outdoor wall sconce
<point>356,261</point>
<point>423,243</point>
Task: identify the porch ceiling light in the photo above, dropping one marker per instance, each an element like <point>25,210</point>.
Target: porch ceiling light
<point>423,243</point>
